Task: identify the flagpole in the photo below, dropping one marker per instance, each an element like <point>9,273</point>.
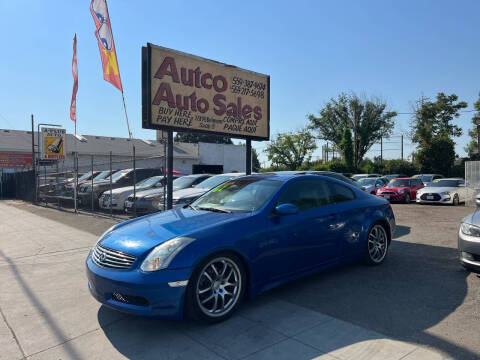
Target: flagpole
<point>126,116</point>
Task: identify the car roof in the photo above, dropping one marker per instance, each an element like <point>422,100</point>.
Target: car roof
<point>457,178</point>
<point>197,175</point>
<point>405,178</point>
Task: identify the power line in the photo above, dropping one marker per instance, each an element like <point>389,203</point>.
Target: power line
<point>412,113</point>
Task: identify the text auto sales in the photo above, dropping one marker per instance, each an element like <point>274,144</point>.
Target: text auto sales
<point>236,115</point>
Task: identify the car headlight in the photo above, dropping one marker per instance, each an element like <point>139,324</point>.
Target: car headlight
<point>149,197</point>
<point>469,229</point>
<point>401,191</point>
<point>162,255</point>
<point>445,193</point>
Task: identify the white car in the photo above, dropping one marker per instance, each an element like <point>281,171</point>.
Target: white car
<point>185,196</point>
<point>121,194</point>
<point>443,191</point>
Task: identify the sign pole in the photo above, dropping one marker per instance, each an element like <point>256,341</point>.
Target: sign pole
<point>75,170</point>
<point>33,163</point>
<point>169,169</point>
<point>248,164</point>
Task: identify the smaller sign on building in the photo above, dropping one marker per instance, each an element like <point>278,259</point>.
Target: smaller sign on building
<point>53,144</point>
<point>13,160</point>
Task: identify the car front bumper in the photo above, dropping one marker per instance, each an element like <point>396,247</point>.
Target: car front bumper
<point>392,196</point>
<point>105,204</point>
<point>158,294</point>
<point>469,249</point>
<point>437,199</point>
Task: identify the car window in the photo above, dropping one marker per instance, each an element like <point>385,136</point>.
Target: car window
<point>306,194</point>
<point>379,182</point>
<point>339,193</point>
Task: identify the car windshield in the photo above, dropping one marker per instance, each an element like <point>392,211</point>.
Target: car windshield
<point>85,176</point>
<point>183,182</point>
<point>240,195</point>
<point>149,182</point>
<point>399,182</point>
<point>367,181</point>
<point>444,183</point>
<point>102,175</point>
<point>358,177</point>
<point>424,178</point>
<point>119,174</point>
<point>210,183</point>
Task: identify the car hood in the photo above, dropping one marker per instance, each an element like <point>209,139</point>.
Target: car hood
<point>152,191</point>
<point>473,218</point>
<point>129,190</point>
<point>189,192</point>
<point>140,235</point>
<point>436,190</point>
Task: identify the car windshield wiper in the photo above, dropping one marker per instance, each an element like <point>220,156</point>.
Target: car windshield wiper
<point>214,209</point>
<point>191,207</point>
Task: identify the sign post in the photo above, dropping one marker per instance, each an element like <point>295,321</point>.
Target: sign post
<point>183,92</point>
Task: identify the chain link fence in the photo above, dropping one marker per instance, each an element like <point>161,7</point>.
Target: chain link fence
<point>94,190</point>
<point>472,181</point>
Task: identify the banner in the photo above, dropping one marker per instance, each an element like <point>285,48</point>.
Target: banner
<point>106,45</point>
<point>73,104</point>
<point>183,92</point>
<point>14,160</point>
<point>53,144</point>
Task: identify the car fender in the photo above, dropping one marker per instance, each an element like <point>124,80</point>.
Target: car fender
<point>375,217</point>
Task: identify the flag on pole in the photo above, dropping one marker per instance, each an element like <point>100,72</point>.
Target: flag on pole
<point>106,45</point>
<point>73,104</point>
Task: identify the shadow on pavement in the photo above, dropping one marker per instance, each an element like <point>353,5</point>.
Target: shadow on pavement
<point>416,288</point>
<point>401,230</point>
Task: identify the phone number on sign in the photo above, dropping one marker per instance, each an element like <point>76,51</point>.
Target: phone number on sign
<point>248,87</point>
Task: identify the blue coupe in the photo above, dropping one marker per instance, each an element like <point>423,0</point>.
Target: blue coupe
<point>240,239</point>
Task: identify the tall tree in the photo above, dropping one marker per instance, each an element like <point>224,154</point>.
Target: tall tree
<point>255,161</point>
<point>291,150</point>
<point>189,137</point>
<point>367,119</point>
<point>346,147</point>
<point>472,147</point>
<point>433,130</point>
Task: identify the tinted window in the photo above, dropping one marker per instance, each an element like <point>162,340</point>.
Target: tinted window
<point>399,182</point>
<point>340,193</point>
<point>306,194</point>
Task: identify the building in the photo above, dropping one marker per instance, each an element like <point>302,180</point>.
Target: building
<point>16,150</point>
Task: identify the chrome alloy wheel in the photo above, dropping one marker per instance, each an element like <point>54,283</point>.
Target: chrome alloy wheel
<point>218,287</point>
<point>377,243</point>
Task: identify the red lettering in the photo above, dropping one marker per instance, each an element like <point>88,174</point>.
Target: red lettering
<point>232,109</point>
<point>204,108</point>
<point>197,77</point>
<point>164,93</point>
<point>183,75</point>
<point>217,88</point>
<point>218,101</point>
<point>257,110</point>
<point>204,79</point>
<point>168,67</point>
<point>246,112</point>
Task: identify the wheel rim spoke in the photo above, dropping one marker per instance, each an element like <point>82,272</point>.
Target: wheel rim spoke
<point>377,243</point>
<point>218,288</point>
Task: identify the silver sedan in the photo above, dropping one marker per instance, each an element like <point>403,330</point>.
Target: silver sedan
<point>469,240</point>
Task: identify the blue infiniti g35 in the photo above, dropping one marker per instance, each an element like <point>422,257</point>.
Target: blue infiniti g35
<point>241,238</point>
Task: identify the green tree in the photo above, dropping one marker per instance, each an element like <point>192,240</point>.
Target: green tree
<point>195,138</point>
<point>472,147</point>
<point>291,150</point>
<point>433,130</point>
<point>367,119</point>
<point>255,161</point>
<point>346,147</point>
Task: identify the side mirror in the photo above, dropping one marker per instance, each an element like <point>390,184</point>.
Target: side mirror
<point>477,200</point>
<point>286,209</point>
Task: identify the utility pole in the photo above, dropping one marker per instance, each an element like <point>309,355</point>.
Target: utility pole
<point>402,145</point>
<point>34,165</point>
<point>381,149</point>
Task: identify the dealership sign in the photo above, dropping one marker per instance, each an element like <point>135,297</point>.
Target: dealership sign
<point>53,144</point>
<point>14,160</point>
<point>182,92</point>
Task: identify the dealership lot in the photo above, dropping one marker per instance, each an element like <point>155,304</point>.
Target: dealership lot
<point>420,304</point>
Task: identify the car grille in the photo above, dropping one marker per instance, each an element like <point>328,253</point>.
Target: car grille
<point>436,197</point>
<point>131,198</point>
<point>106,196</point>
<point>110,258</point>
<point>130,299</point>
<point>389,193</point>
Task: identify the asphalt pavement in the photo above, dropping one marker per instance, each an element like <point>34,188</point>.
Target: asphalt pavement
<point>420,304</point>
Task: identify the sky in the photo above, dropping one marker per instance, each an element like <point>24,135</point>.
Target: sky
<point>312,50</point>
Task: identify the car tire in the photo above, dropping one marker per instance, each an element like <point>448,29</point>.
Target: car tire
<point>456,200</point>
<point>377,245</point>
<point>407,199</point>
<point>218,281</point>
